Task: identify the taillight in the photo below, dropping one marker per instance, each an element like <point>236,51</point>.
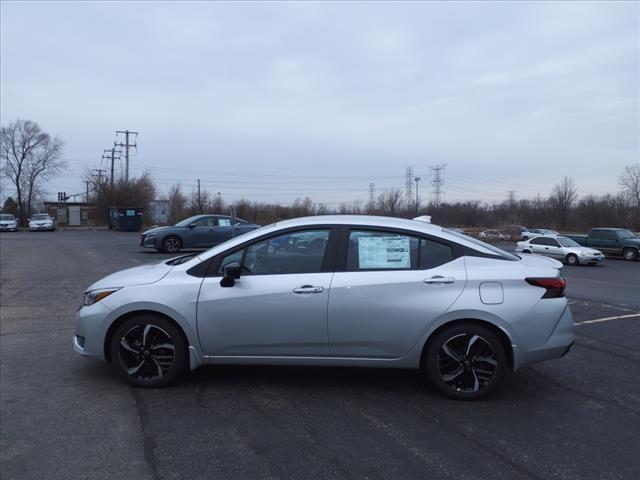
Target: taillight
<point>554,286</point>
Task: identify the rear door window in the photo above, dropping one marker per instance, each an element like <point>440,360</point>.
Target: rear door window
<point>380,250</point>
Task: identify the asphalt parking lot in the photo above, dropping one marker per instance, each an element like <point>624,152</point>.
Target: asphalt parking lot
<point>63,416</point>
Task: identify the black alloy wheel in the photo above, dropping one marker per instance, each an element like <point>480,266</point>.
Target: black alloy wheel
<point>466,361</point>
<point>148,351</point>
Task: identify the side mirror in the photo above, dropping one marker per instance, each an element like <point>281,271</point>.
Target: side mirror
<point>192,225</point>
<point>231,272</point>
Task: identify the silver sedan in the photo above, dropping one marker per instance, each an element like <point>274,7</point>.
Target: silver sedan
<point>335,291</point>
<point>561,248</point>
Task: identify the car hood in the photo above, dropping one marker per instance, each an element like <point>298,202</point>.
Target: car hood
<point>539,261</point>
<point>142,275</point>
<point>157,230</point>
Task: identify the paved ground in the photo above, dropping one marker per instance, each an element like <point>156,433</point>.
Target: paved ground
<point>63,416</point>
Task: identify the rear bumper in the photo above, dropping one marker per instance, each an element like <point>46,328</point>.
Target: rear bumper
<point>546,344</point>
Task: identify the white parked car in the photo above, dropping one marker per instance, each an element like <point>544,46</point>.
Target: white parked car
<point>41,221</point>
<point>561,248</point>
<point>492,235</point>
<point>8,223</point>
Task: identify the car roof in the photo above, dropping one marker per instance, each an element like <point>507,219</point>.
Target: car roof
<point>608,228</point>
<point>364,220</point>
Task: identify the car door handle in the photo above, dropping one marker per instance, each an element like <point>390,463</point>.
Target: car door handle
<point>305,289</point>
<point>439,280</point>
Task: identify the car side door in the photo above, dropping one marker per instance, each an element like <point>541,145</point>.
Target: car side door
<point>537,245</point>
<point>200,231</point>
<point>389,286</point>
<point>278,306</point>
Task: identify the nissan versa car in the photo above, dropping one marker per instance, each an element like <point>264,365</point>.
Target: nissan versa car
<point>561,248</point>
<point>348,291</point>
<point>200,231</point>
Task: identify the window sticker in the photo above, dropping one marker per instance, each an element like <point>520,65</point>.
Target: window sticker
<point>384,252</point>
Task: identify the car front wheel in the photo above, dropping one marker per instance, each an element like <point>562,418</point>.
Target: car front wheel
<point>572,259</point>
<point>630,254</point>
<point>148,351</point>
<point>172,244</point>
<point>466,361</point>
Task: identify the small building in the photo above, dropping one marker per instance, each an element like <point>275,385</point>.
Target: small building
<point>159,210</point>
<point>73,214</point>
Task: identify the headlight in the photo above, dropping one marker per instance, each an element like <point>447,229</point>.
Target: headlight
<point>94,296</point>
<point>149,235</point>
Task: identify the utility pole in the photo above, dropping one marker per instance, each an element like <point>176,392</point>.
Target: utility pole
<point>199,198</point>
<point>86,198</point>
<point>417,179</point>
<point>438,181</point>
<point>113,152</point>
<point>126,146</point>
<point>372,194</point>
<point>99,174</point>
<point>408,183</point>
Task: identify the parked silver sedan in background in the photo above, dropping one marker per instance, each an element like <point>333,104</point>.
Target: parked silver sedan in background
<point>561,248</point>
<point>8,223</point>
<point>492,235</point>
<point>42,221</point>
<point>360,291</point>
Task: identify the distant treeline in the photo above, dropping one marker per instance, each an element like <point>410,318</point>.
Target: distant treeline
<point>561,210</point>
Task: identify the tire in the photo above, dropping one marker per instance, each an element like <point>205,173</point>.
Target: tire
<point>572,259</point>
<point>487,357</point>
<point>148,351</point>
<point>526,251</point>
<point>171,244</point>
<point>630,254</point>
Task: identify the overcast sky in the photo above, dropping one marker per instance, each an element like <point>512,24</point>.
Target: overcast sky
<point>273,101</point>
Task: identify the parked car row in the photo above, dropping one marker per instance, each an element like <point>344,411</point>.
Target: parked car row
<point>38,222</point>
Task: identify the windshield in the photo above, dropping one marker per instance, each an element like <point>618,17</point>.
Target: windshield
<point>6,217</point>
<point>567,242</point>
<point>495,250</point>
<point>40,216</point>
<point>626,234</point>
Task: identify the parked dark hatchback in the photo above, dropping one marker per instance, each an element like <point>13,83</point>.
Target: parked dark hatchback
<point>200,231</point>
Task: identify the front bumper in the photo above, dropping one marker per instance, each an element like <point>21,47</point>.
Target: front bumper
<point>34,228</point>
<point>91,329</point>
<point>591,258</point>
<point>8,228</point>
<point>148,242</point>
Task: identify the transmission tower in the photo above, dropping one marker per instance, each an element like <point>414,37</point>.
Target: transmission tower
<point>408,183</point>
<point>372,193</point>
<point>437,182</point>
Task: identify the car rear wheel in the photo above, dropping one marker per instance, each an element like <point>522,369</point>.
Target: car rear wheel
<point>526,251</point>
<point>172,244</point>
<point>148,351</point>
<point>630,254</point>
<point>572,259</point>
<point>466,361</point>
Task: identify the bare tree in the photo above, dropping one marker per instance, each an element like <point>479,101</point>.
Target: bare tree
<point>29,156</point>
<point>630,183</point>
<point>177,204</point>
<point>563,196</point>
<point>390,202</point>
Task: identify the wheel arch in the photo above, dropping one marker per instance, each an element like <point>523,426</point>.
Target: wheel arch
<point>499,332</point>
<point>135,313</point>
